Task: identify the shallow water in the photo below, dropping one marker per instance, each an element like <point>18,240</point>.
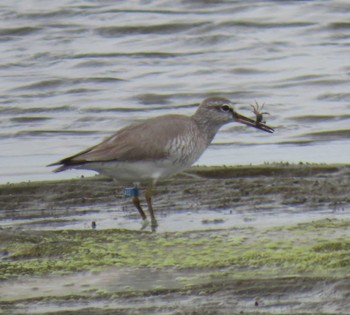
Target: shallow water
<point>169,221</point>
<point>224,198</point>
<point>73,72</point>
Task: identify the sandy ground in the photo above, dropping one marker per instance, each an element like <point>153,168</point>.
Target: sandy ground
<point>270,239</point>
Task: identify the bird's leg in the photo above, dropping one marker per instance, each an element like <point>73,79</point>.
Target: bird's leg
<point>136,202</point>
<point>148,195</point>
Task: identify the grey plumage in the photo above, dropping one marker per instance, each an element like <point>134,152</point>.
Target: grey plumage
<point>158,147</point>
<point>144,141</point>
<point>177,137</point>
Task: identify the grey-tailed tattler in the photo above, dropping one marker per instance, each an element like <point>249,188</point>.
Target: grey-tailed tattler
<point>158,147</point>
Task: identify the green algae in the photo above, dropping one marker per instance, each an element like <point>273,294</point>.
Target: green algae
<point>260,251</point>
<point>215,265</point>
<point>321,225</point>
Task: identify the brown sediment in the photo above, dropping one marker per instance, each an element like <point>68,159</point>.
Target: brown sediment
<point>252,240</point>
<point>304,183</point>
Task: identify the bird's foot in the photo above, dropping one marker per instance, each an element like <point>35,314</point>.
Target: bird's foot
<point>144,224</point>
<point>154,224</point>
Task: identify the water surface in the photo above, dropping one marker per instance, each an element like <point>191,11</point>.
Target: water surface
<point>73,72</point>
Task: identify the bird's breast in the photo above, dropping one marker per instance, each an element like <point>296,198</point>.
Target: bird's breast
<point>185,150</point>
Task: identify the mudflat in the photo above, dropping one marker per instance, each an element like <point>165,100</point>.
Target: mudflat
<point>266,239</point>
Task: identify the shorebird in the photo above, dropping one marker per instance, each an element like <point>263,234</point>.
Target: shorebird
<point>158,147</point>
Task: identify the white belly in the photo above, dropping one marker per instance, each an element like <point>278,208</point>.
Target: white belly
<point>142,171</point>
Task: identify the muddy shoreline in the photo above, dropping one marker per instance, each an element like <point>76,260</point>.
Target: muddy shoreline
<point>231,240</point>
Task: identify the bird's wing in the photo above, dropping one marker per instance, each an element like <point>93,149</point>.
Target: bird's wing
<point>142,141</point>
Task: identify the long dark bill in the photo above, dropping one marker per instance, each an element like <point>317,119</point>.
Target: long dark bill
<point>252,123</point>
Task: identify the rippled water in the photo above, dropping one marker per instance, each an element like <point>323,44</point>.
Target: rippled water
<point>73,72</point>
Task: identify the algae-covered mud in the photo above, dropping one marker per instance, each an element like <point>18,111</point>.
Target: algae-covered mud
<point>269,239</point>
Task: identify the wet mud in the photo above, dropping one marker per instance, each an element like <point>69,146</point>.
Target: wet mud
<point>268,239</point>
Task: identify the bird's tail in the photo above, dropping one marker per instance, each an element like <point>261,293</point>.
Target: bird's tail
<point>62,167</point>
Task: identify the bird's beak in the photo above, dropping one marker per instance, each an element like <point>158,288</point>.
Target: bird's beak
<point>252,123</point>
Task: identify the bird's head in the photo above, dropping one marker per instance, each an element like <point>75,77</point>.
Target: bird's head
<point>220,111</point>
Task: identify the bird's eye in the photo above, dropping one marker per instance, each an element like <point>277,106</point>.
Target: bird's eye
<point>225,108</point>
